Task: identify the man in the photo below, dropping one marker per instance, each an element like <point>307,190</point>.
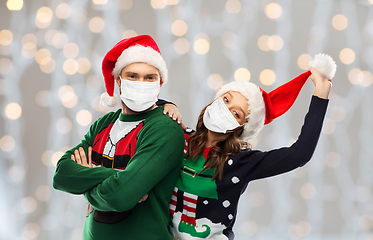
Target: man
<point>139,140</point>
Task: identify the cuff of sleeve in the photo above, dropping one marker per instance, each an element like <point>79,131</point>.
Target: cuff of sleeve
<point>318,105</point>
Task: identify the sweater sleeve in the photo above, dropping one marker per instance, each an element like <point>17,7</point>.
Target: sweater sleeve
<point>73,178</point>
<point>265,164</point>
<point>158,151</point>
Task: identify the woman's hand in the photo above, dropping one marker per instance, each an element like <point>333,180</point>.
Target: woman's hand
<point>174,113</point>
<point>80,157</point>
<point>322,84</point>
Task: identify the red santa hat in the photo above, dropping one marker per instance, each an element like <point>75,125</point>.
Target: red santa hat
<point>141,48</point>
<point>265,107</point>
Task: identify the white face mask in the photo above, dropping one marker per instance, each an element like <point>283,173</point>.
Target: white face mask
<point>218,118</point>
<point>139,96</point>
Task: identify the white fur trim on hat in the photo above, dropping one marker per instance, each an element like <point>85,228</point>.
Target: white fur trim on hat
<point>108,101</point>
<point>324,64</point>
<point>142,54</point>
<point>253,94</point>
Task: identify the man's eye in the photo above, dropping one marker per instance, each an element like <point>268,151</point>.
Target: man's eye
<point>131,76</point>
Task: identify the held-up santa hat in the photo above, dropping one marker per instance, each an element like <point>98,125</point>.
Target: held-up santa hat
<point>142,49</point>
<point>265,107</point>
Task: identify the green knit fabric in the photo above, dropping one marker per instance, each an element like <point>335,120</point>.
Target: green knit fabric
<point>153,170</point>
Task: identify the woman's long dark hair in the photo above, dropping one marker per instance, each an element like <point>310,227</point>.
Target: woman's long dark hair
<point>219,153</point>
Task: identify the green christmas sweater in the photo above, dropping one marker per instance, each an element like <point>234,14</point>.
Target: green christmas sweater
<point>134,155</point>
<point>206,208</point>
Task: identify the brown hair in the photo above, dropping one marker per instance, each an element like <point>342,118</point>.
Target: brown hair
<point>219,153</point>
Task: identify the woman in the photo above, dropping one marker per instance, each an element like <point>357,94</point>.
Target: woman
<point>217,168</point>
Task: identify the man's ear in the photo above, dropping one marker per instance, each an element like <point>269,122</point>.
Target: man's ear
<point>118,81</point>
<point>161,82</point>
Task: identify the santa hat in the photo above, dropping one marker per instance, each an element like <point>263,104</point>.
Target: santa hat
<point>142,49</point>
<point>265,107</point>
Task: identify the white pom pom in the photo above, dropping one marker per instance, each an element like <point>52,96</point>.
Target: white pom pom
<point>108,101</point>
<point>324,64</point>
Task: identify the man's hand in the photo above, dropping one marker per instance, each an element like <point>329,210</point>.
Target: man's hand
<point>81,158</point>
<point>143,198</point>
<point>174,113</point>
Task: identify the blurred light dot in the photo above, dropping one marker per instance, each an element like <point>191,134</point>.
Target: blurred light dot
<point>263,43</point>
<point>6,37</point>
<point>177,12</point>
<point>202,36</point>
<point>250,228</point>
<point>158,4</point>
<point>29,38</point>
<point>303,61</point>
<point>201,46</point>
<point>179,28</point>
<point>79,15</point>
<point>233,6</point>
<point>60,40</point>
<point>63,11</point>
<point>96,24</point>
<point>332,160</point>
<point>14,5</point>
<point>228,39</point>
<point>5,50</point>
<point>5,65</point>
<point>308,191</point>
<point>267,77</point>
<point>49,35</point>
<point>362,194</point>
<point>242,75</point>
<point>181,46</point>
<point>339,22</point>
<point>32,230</point>
<point>338,114</point>
<point>367,78</point>
<point>355,76</point>
<point>69,100</point>
<point>43,17</point>
<point>71,50</point>
<point>302,228</point>
<point>275,42</point>
<point>328,126</point>
<point>47,158</point>
<point>47,65</point>
<point>256,199</point>
<point>125,4</point>
<point>43,193</point>
<point>17,173</point>
<point>365,222</point>
<point>13,111</point>
<point>42,54</point>
<point>28,205</point>
<point>64,125</point>
<point>215,81</point>
<point>63,90</point>
<point>273,10</point>
<point>100,1</point>
<point>129,34</point>
<point>371,1</point>
<point>84,65</point>
<point>55,157</point>
<point>331,193</point>
<point>70,66</point>
<point>7,143</point>
<point>347,56</point>
<point>94,82</point>
<point>84,117</point>
<point>29,50</point>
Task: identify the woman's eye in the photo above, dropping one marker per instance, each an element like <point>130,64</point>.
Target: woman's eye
<point>236,114</point>
<point>226,99</point>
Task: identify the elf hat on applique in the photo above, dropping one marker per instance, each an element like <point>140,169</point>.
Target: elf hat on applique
<point>265,107</point>
<point>142,49</point>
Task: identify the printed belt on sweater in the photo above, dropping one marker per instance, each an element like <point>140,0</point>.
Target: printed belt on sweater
<point>193,173</point>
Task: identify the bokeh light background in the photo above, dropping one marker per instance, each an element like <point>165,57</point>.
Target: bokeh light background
<point>50,83</point>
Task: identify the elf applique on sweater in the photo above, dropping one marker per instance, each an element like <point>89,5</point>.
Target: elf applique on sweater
<point>206,208</point>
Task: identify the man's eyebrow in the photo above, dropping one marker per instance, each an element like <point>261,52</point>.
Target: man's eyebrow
<point>132,73</point>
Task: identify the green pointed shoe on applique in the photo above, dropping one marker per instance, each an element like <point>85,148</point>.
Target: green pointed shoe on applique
<point>190,229</point>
